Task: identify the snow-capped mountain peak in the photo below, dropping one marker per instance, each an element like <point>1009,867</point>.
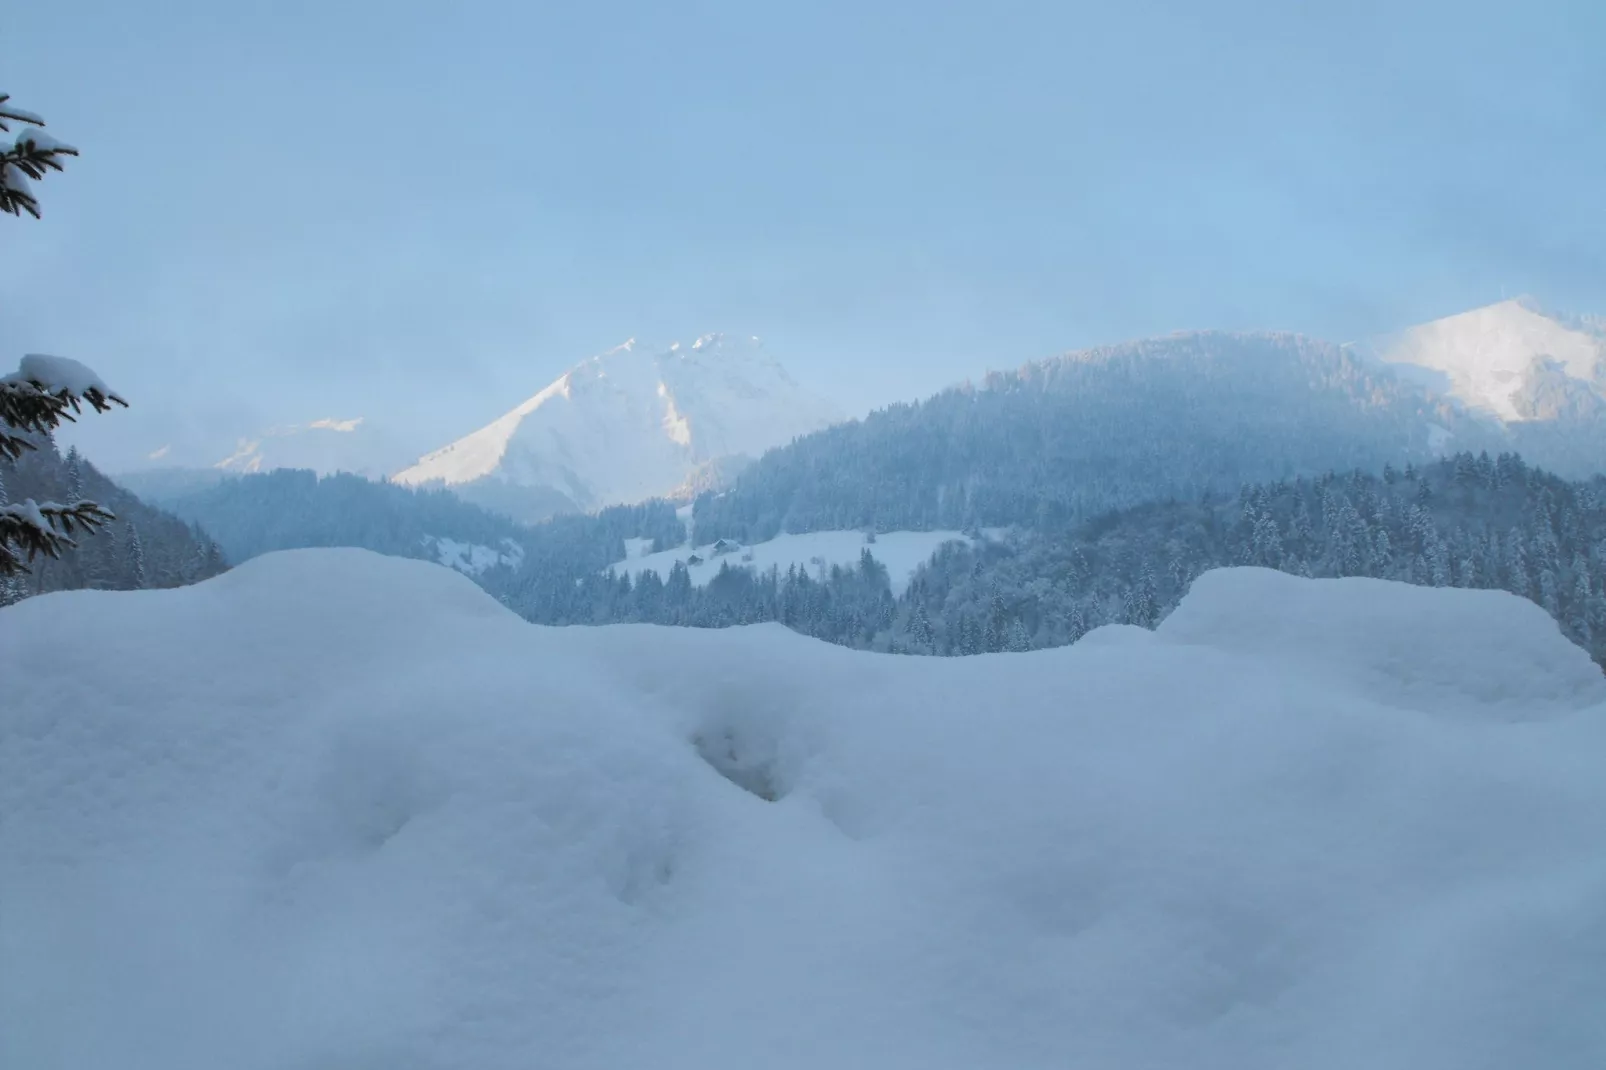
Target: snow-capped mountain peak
<point>1509,360</point>
<point>630,423</point>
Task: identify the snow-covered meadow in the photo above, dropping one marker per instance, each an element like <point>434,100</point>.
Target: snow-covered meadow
<point>333,809</point>
<point>902,552</point>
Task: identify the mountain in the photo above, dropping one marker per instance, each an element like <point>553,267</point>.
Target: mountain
<point>165,484</point>
<point>290,509</point>
<point>1538,375</point>
<point>325,446</point>
<point>1512,361</point>
<point>631,424</point>
<point>1067,439</point>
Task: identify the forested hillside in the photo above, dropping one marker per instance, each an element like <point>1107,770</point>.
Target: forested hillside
<point>1068,439</point>
<point>143,547</point>
<point>1467,521</point>
<point>296,509</point>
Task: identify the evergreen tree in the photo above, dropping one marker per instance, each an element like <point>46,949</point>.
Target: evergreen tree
<point>75,476</point>
<point>135,556</point>
<point>918,636</point>
<point>43,391</point>
<point>10,583</point>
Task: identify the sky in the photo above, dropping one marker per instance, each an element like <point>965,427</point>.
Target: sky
<point>420,214</point>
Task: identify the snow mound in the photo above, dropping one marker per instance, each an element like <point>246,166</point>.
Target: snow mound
<point>1457,651</point>
<point>336,809</point>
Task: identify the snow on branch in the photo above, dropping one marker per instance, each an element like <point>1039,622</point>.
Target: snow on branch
<point>41,393</point>
<point>29,529</point>
<point>65,377</point>
<point>27,160</point>
<point>10,112</point>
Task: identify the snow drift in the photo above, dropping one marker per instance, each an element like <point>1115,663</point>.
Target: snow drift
<point>338,810</point>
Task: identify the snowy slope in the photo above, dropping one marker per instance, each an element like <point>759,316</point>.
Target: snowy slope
<point>1485,357</point>
<point>473,559</point>
<point>338,810</point>
<point>901,551</point>
<point>630,424</point>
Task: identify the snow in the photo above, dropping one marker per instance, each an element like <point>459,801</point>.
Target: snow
<point>13,178</point>
<point>472,559</point>
<point>42,142</point>
<point>1482,357</point>
<point>901,551</point>
<point>21,115</point>
<point>632,424</point>
<point>335,809</point>
<point>28,512</point>
<point>59,375</point>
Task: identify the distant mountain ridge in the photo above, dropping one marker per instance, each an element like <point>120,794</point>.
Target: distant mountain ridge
<point>625,426</point>
<point>288,509</point>
<point>1176,417</point>
<point>325,446</point>
<point>1075,436</point>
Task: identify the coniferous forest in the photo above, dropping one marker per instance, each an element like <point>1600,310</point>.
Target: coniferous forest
<point>1465,521</point>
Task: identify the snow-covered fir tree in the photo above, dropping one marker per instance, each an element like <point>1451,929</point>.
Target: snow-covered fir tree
<point>43,391</point>
<point>75,475</point>
<point>136,556</point>
<point>10,582</point>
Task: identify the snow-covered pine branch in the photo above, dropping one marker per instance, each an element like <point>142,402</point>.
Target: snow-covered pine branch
<point>29,529</point>
<point>34,400</point>
<point>43,391</point>
<point>33,154</point>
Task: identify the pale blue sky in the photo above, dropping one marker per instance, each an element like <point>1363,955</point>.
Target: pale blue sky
<point>421,213</point>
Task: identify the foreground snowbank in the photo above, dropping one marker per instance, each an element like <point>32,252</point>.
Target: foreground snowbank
<point>339,810</point>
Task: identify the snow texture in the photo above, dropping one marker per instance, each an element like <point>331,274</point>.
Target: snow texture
<point>633,423</point>
<point>902,552</point>
<point>333,809</point>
